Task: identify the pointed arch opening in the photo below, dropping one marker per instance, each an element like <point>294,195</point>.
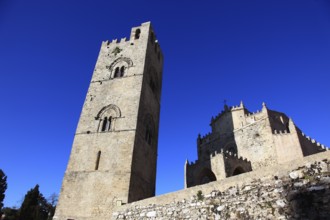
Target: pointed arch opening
<point>206,176</point>
<point>238,170</point>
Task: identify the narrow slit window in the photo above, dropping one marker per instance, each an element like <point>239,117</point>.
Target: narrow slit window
<point>137,34</point>
<point>98,160</point>
<point>104,124</point>
<point>122,71</point>
<point>148,136</point>
<point>109,123</point>
<point>152,85</point>
<point>116,72</point>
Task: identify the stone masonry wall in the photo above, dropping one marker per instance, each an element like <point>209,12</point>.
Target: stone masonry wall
<point>300,190</point>
<point>109,157</point>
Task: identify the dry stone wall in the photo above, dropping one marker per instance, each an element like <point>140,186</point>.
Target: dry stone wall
<point>300,193</point>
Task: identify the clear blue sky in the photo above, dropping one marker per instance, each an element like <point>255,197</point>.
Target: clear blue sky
<point>276,51</point>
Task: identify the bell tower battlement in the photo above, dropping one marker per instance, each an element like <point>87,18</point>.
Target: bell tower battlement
<point>114,153</point>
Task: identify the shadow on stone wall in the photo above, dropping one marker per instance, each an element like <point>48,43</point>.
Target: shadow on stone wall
<point>301,194</point>
<point>311,205</point>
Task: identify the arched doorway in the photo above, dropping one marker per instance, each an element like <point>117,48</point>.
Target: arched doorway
<point>206,176</point>
<point>238,171</point>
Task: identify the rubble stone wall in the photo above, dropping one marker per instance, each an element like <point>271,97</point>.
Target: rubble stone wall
<point>298,190</point>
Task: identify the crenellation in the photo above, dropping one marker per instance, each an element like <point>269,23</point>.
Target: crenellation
<point>281,132</point>
<point>206,138</point>
<point>234,155</point>
<point>114,128</point>
<point>262,138</point>
<point>192,163</point>
<point>118,130</point>
<point>218,116</point>
<point>251,114</point>
<point>213,154</point>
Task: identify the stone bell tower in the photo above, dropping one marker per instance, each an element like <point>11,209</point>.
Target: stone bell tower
<point>114,153</point>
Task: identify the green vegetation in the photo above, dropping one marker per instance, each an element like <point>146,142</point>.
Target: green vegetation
<point>3,187</point>
<point>34,206</point>
<point>200,196</point>
<point>10,213</point>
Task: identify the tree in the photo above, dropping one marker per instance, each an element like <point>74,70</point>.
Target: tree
<point>52,201</point>
<point>34,206</point>
<point>10,213</point>
<point>3,187</point>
